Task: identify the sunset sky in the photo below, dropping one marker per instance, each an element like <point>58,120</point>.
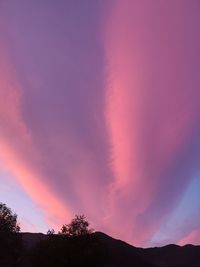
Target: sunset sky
<point>100,115</point>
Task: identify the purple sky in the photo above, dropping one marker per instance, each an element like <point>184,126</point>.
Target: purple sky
<point>100,114</point>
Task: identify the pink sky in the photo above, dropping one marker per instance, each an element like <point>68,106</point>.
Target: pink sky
<point>99,114</point>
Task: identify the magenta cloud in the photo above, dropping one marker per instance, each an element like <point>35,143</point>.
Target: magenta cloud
<point>99,110</point>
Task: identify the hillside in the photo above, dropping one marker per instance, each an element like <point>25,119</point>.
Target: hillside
<point>103,250</point>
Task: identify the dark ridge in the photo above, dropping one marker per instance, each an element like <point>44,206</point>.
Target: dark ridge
<point>100,250</point>
<point>31,239</point>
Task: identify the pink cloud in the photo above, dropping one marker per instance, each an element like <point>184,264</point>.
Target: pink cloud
<point>150,111</point>
<point>192,238</point>
<point>18,153</point>
<point>110,133</point>
<point>56,168</point>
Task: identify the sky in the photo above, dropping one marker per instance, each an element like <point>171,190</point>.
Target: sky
<point>100,115</point>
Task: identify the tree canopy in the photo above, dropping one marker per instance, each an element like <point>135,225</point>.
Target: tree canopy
<point>77,227</point>
<point>10,240</point>
<point>8,220</point>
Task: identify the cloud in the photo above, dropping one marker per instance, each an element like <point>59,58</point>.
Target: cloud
<point>192,238</point>
<point>18,153</point>
<point>99,111</point>
<point>152,112</point>
<point>57,150</point>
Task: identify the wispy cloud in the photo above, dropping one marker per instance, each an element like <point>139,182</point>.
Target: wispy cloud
<point>99,109</point>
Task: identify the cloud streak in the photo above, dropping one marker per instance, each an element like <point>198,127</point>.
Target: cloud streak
<point>151,112</point>
<point>18,153</point>
<point>99,110</point>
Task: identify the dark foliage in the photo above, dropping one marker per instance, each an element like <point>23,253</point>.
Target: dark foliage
<point>77,227</point>
<point>10,239</point>
<point>63,251</point>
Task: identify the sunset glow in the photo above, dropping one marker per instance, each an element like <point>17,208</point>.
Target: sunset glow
<point>100,115</point>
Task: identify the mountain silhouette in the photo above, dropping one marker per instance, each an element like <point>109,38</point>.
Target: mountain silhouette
<point>110,252</point>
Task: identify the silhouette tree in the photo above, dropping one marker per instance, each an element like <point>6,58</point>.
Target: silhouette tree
<point>78,226</point>
<point>10,240</point>
<point>8,220</point>
<point>50,232</point>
